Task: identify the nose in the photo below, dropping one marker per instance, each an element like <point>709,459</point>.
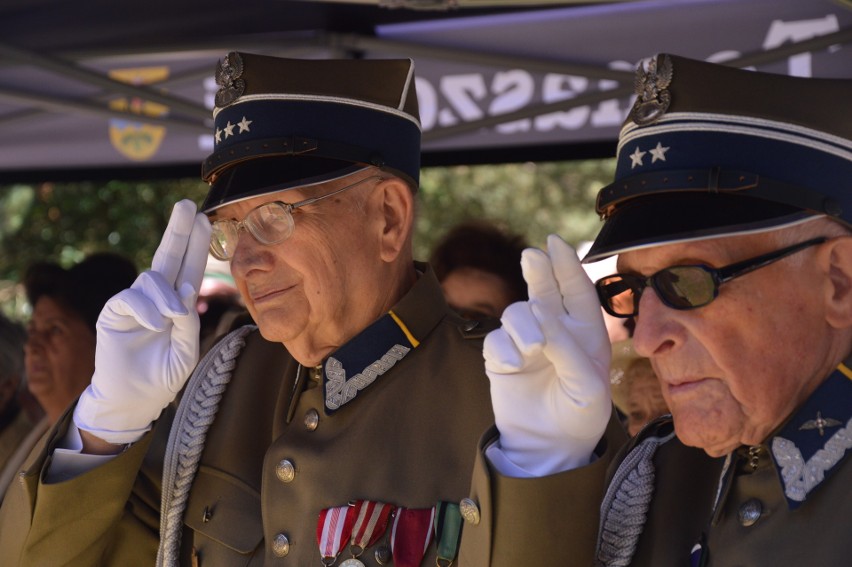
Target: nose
<point>249,254</point>
<point>657,331</point>
<point>34,343</point>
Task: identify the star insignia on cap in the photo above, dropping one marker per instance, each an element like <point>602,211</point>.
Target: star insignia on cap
<point>244,125</point>
<point>659,153</point>
<point>636,158</point>
<point>218,135</point>
<point>229,129</point>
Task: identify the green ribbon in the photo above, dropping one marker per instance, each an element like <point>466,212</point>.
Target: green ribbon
<point>448,525</point>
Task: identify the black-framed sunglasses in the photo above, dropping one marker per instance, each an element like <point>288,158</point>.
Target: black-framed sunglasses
<point>683,287</point>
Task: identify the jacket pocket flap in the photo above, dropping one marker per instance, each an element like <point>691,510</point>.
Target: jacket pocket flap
<point>225,509</point>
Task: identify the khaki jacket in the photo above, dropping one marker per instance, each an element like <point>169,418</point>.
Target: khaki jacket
<point>407,439</point>
<point>783,503</point>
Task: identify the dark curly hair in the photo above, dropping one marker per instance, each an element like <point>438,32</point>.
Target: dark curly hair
<point>83,288</point>
<point>482,245</point>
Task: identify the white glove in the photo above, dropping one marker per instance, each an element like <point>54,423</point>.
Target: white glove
<point>148,336</point>
<point>549,366</point>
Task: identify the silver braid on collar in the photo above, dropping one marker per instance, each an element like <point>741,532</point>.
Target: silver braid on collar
<point>625,506</point>
<point>196,412</point>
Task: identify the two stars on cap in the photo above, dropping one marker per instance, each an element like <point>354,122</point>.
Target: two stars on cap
<point>229,129</point>
<point>658,153</point>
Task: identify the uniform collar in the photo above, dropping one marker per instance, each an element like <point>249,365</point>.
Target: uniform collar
<point>359,363</point>
<point>812,443</point>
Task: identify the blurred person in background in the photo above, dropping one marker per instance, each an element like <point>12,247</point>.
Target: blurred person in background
<point>58,353</point>
<point>479,267</point>
<point>636,390</point>
<point>14,422</point>
<point>60,346</point>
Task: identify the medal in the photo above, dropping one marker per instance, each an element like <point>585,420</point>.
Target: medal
<point>411,535</point>
<point>371,521</point>
<point>448,525</point>
<point>333,528</point>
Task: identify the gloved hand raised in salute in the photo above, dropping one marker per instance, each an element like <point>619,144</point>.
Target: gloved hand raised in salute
<point>549,366</point>
<point>148,336</point>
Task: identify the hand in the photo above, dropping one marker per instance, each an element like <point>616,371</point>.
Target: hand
<point>148,336</point>
<point>549,366</point>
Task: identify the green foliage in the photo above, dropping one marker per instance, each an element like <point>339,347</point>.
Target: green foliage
<point>65,222</point>
<point>530,199</point>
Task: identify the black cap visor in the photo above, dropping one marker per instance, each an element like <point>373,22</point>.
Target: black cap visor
<point>663,219</point>
<point>255,177</point>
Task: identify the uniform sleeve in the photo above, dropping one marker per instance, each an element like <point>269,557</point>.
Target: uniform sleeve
<point>550,520</point>
<point>77,521</point>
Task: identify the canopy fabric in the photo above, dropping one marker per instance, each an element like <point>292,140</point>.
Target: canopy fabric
<point>94,88</point>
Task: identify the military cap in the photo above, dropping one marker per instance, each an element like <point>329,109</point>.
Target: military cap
<point>709,150</point>
<point>285,123</point>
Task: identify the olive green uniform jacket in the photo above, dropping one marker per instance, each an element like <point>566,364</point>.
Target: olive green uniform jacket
<point>275,455</point>
<point>784,503</point>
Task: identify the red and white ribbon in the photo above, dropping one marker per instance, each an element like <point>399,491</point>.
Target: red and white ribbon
<point>411,535</point>
<point>333,529</point>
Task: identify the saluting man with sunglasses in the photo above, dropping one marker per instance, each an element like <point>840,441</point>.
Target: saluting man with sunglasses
<point>338,431</point>
<point>730,215</point>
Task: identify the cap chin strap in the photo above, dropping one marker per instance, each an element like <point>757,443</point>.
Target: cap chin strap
<point>714,180</point>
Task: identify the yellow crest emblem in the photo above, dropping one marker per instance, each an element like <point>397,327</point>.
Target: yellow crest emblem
<point>137,140</point>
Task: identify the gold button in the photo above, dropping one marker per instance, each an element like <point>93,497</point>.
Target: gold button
<point>469,511</point>
<point>285,471</point>
<point>281,545</point>
<point>311,419</point>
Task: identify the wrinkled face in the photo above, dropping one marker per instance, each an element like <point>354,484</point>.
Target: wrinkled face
<point>733,370</point>
<point>315,286</point>
<point>59,354</point>
<point>475,293</point>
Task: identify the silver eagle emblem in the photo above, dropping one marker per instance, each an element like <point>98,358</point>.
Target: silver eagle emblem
<point>820,423</point>
<point>228,73</point>
<point>652,98</point>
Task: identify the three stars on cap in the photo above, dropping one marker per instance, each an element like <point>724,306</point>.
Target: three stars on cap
<point>228,130</point>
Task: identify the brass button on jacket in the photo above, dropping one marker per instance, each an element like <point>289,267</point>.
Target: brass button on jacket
<point>285,471</point>
<point>469,511</point>
<point>281,545</point>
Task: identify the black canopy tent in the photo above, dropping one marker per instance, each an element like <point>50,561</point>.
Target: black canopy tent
<point>96,89</point>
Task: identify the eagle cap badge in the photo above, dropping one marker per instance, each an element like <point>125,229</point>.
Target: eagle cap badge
<point>228,73</point>
<point>652,98</point>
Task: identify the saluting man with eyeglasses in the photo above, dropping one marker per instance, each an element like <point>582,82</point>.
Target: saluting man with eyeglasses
<point>338,431</point>
<point>730,215</point>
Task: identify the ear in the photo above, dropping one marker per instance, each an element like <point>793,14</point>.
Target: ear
<point>835,257</point>
<point>396,202</point>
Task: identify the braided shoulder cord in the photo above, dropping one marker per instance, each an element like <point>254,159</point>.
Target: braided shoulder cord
<point>196,412</point>
<point>625,506</point>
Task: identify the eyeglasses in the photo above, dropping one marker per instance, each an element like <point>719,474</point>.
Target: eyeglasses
<point>269,223</point>
<point>682,287</point>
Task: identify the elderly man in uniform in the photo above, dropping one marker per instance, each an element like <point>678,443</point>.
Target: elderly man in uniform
<point>730,215</point>
<point>339,430</point>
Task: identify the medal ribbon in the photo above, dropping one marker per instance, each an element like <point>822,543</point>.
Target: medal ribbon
<point>448,525</point>
<point>411,535</point>
<point>370,524</point>
<point>333,528</point>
